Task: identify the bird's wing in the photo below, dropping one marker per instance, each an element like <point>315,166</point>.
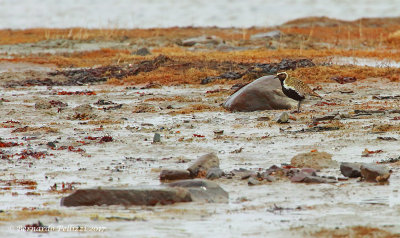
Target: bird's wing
<point>297,85</point>
<point>307,90</point>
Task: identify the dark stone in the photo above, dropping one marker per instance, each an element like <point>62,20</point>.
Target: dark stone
<point>126,196</point>
<point>203,164</point>
<point>214,173</point>
<point>375,173</point>
<point>174,174</point>
<point>181,191</point>
<point>142,52</point>
<point>265,93</point>
<point>203,190</point>
<point>156,138</point>
<point>351,170</point>
<point>51,144</point>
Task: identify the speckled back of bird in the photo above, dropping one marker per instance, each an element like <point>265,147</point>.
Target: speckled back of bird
<point>302,88</point>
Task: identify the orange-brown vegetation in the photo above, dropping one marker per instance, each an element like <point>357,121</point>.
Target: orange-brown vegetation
<point>325,73</point>
<point>318,39</point>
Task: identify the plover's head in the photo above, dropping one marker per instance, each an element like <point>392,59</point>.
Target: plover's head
<point>281,76</point>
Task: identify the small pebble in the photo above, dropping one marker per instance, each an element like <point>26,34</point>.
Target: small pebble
<point>156,138</point>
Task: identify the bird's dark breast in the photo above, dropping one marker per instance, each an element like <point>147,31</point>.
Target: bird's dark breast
<point>292,94</point>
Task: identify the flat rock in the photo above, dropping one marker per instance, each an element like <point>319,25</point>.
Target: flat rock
<point>374,173</point>
<point>148,196</point>
<point>351,170</point>
<point>264,93</point>
<point>203,190</point>
<point>203,164</point>
<point>315,160</point>
<point>174,174</point>
<point>181,191</point>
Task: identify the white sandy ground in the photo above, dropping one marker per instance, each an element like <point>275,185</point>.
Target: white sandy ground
<point>25,14</point>
<point>249,211</point>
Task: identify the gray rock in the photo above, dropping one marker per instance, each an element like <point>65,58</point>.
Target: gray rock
<point>283,118</point>
<point>264,93</point>
<point>51,144</point>
<point>170,174</point>
<point>203,190</point>
<point>156,138</point>
<point>375,173</point>
<point>149,196</point>
<point>181,191</point>
<point>264,35</point>
<point>214,173</point>
<point>351,170</point>
<point>203,164</point>
<point>142,52</point>
<point>253,181</point>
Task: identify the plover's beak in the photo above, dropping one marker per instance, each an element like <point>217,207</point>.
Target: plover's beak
<point>276,76</point>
